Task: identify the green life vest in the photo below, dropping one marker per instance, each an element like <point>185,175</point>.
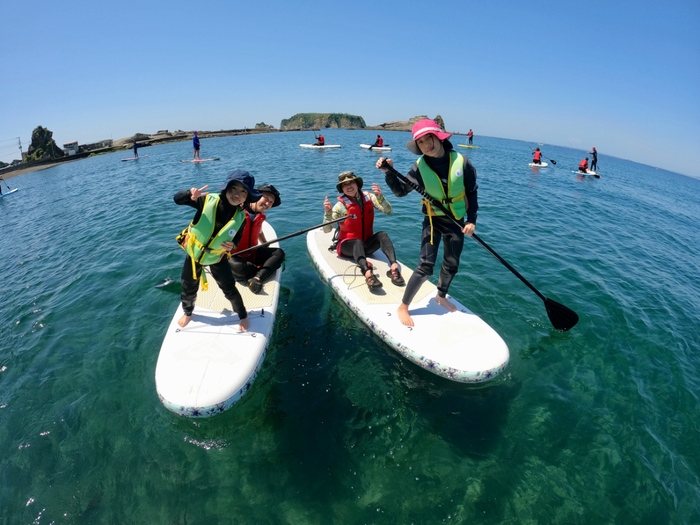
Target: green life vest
<point>199,240</point>
<point>455,199</point>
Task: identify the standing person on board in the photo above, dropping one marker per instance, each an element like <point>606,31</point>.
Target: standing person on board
<point>135,147</point>
<point>213,233</point>
<point>471,136</point>
<point>449,178</point>
<point>256,266</point>
<point>356,237</point>
<point>320,140</point>
<point>583,165</point>
<point>195,145</point>
<point>594,160</point>
<point>537,156</point>
<point>379,143</point>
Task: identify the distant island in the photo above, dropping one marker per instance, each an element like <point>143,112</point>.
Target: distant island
<point>311,121</point>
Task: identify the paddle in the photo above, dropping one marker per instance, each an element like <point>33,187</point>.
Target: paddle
<point>554,162</point>
<point>293,234</point>
<point>561,317</point>
<point>3,180</point>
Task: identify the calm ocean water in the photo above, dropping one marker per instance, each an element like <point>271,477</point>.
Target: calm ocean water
<point>593,426</point>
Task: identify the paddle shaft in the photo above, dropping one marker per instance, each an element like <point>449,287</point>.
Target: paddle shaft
<point>268,243</point>
<point>3,180</point>
<point>478,239</point>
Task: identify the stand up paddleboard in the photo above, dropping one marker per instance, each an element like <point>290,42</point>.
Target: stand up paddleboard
<point>468,146</point>
<point>314,146</point>
<point>375,148</point>
<point>588,172</point>
<point>9,192</point>
<point>197,161</point>
<point>205,367</point>
<point>135,158</point>
<point>540,165</point>
<point>456,345</point>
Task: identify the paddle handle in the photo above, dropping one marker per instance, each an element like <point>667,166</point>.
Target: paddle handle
<point>268,243</point>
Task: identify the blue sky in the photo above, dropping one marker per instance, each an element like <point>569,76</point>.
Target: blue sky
<point>622,76</point>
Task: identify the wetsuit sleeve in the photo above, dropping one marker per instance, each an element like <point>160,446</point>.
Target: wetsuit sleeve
<point>400,188</point>
<point>470,189</point>
<point>185,198</point>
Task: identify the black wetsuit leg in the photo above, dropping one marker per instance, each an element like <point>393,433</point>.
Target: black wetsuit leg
<point>355,249</point>
<point>221,272</point>
<point>190,285</point>
<point>268,261</point>
<point>381,240</point>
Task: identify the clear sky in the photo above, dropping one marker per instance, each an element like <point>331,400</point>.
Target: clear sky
<point>623,76</point>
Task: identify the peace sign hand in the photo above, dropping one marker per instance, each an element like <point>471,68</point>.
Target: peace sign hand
<point>196,193</point>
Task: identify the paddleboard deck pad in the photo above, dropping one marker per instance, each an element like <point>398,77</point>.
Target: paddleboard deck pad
<point>206,367</point>
<point>314,146</point>
<point>540,165</point>
<point>197,161</point>
<point>9,192</point>
<point>375,148</point>
<point>456,345</point>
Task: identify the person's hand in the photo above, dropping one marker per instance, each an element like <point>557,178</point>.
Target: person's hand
<point>381,161</point>
<point>244,324</point>
<point>376,189</point>
<point>327,206</point>
<point>468,229</point>
<point>196,193</point>
<point>228,246</point>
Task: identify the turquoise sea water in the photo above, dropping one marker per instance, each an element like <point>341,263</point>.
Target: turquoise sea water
<point>597,425</point>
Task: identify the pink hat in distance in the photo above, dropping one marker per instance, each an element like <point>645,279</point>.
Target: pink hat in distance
<point>422,128</point>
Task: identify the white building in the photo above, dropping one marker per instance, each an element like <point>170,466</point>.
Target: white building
<point>70,148</point>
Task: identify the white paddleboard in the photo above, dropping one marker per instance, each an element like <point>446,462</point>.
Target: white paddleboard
<point>468,146</point>
<point>197,161</point>
<point>375,148</point>
<point>314,146</point>
<point>9,192</point>
<point>540,165</point>
<point>588,172</point>
<point>456,345</point>
<point>205,367</point>
<point>135,158</point>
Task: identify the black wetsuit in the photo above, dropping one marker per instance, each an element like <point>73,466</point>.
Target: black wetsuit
<point>261,263</point>
<point>221,271</point>
<point>443,227</point>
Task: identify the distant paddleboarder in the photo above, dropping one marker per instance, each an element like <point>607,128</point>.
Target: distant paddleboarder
<point>136,149</point>
<point>583,165</point>
<point>471,136</point>
<point>537,156</point>
<point>195,145</point>
<point>320,140</point>
<point>379,143</point>
<point>594,160</point>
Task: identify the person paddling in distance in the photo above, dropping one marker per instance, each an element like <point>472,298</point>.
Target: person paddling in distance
<point>320,140</point>
<point>537,156</point>
<point>448,177</point>
<point>135,147</point>
<point>213,233</point>
<point>379,143</point>
<point>195,146</point>
<point>594,159</point>
<point>356,237</point>
<point>470,135</point>
<point>583,165</point>
<point>256,266</point>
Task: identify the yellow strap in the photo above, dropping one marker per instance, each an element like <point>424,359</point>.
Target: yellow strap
<point>428,207</point>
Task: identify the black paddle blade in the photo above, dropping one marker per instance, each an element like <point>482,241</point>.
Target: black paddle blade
<point>562,317</point>
<point>554,162</point>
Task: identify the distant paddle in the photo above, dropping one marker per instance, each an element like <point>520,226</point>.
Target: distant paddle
<point>561,317</point>
<point>554,162</point>
<point>5,183</point>
<point>268,243</point>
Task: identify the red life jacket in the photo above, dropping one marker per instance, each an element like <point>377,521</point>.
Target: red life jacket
<point>361,226</point>
<point>583,164</point>
<point>470,134</point>
<point>251,234</point>
<point>380,142</point>
<point>537,155</point>
<point>321,140</point>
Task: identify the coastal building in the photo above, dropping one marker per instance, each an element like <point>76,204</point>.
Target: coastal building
<point>70,148</point>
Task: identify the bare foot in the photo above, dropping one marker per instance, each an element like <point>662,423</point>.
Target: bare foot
<point>404,316</point>
<point>442,301</point>
<point>184,320</point>
<point>244,324</point>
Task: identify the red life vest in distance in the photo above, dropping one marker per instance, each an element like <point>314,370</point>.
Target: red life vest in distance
<point>250,236</point>
<point>321,140</point>
<point>380,142</point>
<point>583,165</point>
<point>537,156</point>
<point>361,227</point>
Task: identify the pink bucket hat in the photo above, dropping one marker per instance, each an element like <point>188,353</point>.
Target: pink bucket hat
<point>422,128</point>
